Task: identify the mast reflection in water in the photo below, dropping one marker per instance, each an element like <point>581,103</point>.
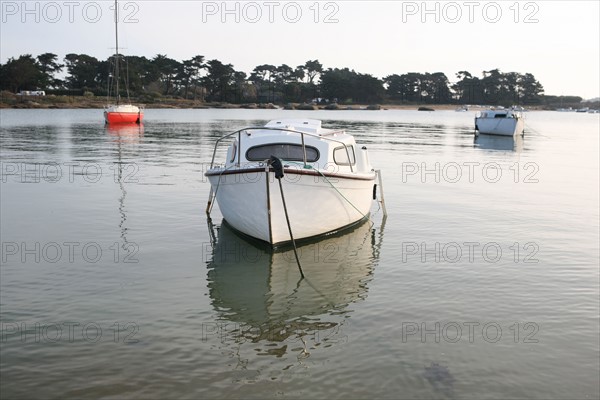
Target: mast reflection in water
<point>123,135</point>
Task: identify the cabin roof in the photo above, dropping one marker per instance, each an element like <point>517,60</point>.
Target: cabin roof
<point>312,126</point>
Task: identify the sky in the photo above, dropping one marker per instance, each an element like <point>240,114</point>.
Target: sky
<point>557,41</point>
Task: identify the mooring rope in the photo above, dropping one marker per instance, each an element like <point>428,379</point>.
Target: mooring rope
<point>278,167</point>
<point>333,186</point>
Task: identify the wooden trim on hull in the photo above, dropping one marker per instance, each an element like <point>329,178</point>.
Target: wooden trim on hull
<point>291,171</point>
<point>498,134</point>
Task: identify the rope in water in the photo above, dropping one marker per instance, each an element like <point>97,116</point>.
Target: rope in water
<point>278,168</point>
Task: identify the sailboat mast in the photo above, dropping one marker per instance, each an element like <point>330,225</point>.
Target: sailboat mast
<point>117,49</point>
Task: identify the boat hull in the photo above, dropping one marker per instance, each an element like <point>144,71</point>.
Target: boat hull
<point>123,115</point>
<point>500,126</point>
<point>251,202</point>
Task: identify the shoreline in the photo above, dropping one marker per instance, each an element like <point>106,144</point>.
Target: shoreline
<point>9,100</point>
<point>188,104</point>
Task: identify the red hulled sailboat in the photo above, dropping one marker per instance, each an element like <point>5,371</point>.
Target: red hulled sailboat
<point>118,113</point>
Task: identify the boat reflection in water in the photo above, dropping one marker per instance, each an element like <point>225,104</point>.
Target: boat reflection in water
<point>126,133</point>
<point>263,302</point>
<point>495,142</point>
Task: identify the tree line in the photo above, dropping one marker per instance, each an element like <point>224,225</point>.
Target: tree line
<point>214,81</point>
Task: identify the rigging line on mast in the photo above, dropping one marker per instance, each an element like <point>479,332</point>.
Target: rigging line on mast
<point>117,50</point>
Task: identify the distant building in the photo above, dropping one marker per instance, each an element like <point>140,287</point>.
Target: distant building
<point>32,93</point>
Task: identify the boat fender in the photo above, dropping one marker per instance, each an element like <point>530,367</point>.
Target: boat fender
<point>375,192</point>
<point>277,166</point>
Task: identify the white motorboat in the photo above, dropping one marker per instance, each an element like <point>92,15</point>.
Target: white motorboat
<point>292,179</point>
<point>501,122</point>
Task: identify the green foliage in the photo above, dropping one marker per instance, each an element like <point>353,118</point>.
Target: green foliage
<point>344,85</point>
<point>215,81</point>
<point>49,66</point>
<point>219,80</point>
<point>19,74</point>
<point>84,71</point>
<point>312,70</point>
<point>415,87</point>
<point>553,102</point>
<point>498,88</point>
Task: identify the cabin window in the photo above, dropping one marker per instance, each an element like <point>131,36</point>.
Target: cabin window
<point>340,155</point>
<point>285,151</point>
<point>233,152</point>
<point>500,116</point>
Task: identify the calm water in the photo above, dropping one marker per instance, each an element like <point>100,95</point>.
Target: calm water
<point>483,282</point>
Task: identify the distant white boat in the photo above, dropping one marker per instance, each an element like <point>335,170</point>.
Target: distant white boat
<point>500,122</point>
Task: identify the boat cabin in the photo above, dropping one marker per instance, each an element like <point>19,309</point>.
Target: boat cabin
<point>499,114</point>
<point>300,143</point>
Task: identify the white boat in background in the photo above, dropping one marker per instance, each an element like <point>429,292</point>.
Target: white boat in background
<point>327,184</point>
<point>500,122</point>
